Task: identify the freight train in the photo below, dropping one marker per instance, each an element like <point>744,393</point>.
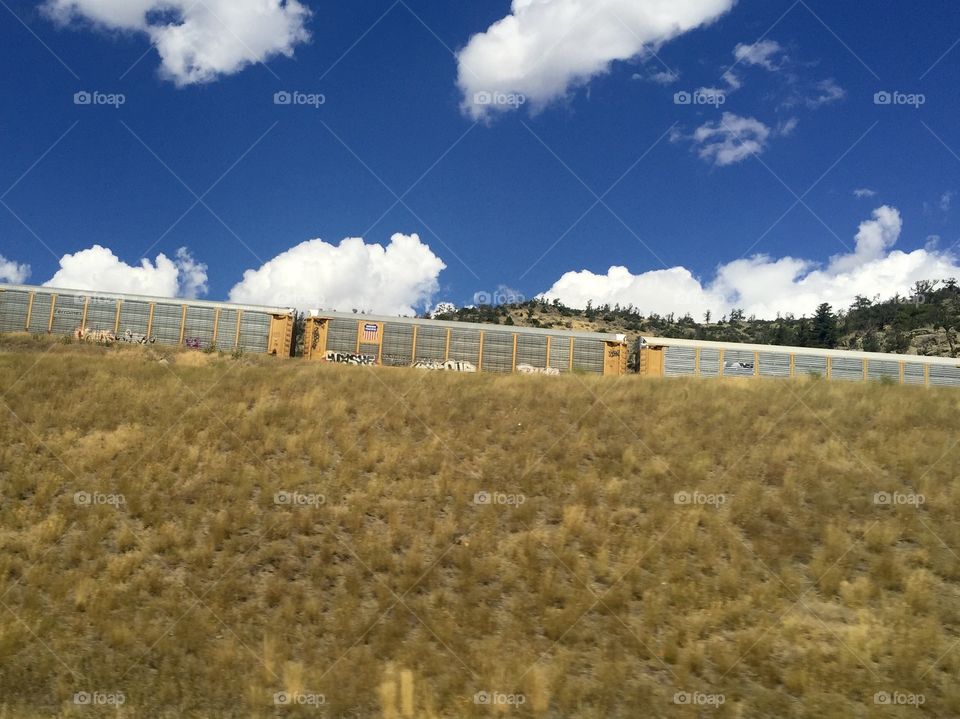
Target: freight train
<point>338,337</point>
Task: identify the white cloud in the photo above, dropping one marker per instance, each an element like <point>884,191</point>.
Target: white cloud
<point>546,47</point>
<point>733,80</point>
<point>13,272</point>
<point>946,199</point>
<point>664,77</point>
<point>393,280</point>
<point>98,269</point>
<point>198,41</point>
<point>864,193</point>
<point>761,54</point>
<point>765,286</point>
<point>731,139</point>
<point>824,93</point>
<point>786,128</point>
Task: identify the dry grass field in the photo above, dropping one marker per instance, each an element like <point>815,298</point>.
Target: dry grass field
<point>208,536</point>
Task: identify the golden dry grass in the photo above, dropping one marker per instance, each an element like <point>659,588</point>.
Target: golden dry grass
<point>780,588</point>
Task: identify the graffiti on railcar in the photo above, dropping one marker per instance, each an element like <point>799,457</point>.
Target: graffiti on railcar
<point>448,366</point>
<point>530,369</point>
<point>193,343</point>
<point>106,337</point>
<point>134,338</point>
<point>349,358</point>
<point>100,337</point>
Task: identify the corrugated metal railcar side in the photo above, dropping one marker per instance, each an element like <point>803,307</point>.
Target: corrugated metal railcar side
<point>194,323</point>
<point>667,357</point>
<point>406,342</point>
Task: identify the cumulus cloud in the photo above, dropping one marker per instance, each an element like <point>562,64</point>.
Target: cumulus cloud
<point>731,139</point>
<point>197,41</point>
<point>765,286</point>
<point>862,193</point>
<point>392,280</point>
<point>13,272</point>
<point>543,48</point>
<point>98,269</point>
<point>762,54</point>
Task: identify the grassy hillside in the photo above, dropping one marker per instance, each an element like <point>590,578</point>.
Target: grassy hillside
<point>193,534</point>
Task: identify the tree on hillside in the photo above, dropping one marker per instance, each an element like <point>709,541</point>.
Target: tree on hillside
<point>825,330</point>
<point>871,343</point>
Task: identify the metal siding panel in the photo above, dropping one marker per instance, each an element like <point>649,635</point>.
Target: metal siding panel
<point>40,316</point>
<point>497,352</point>
<point>465,346</point>
<point>101,314</point>
<point>588,355</point>
<point>913,373</point>
<point>532,350</point>
<point>255,332</point>
<point>397,344</point>
<point>811,365</point>
<point>709,363</point>
<point>774,364</point>
<point>431,343</point>
<point>199,325</point>
<point>944,376</point>
<point>13,310</point>
<point>679,361</point>
<point>850,370</point>
<point>166,323</point>
<point>67,313</point>
<point>878,369</point>
<point>134,316</point>
<point>560,353</point>
<point>737,363</point>
<point>342,336</point>
<point>227,329</point>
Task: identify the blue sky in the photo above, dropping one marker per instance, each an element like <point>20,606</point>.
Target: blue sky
<point>503,197</point>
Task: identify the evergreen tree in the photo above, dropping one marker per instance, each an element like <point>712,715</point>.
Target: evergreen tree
<point>825,330</point>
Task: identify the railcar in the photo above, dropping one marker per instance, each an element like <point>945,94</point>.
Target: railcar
<point>666,357</point>
<point>460,346</point>
<point>144,319</point>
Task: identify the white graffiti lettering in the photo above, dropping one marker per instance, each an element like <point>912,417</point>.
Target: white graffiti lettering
<point>530,369</point>
<point>349,358</point>
<point>449,366</point>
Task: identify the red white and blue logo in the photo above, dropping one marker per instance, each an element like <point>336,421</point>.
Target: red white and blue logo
<point>371,332</point>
